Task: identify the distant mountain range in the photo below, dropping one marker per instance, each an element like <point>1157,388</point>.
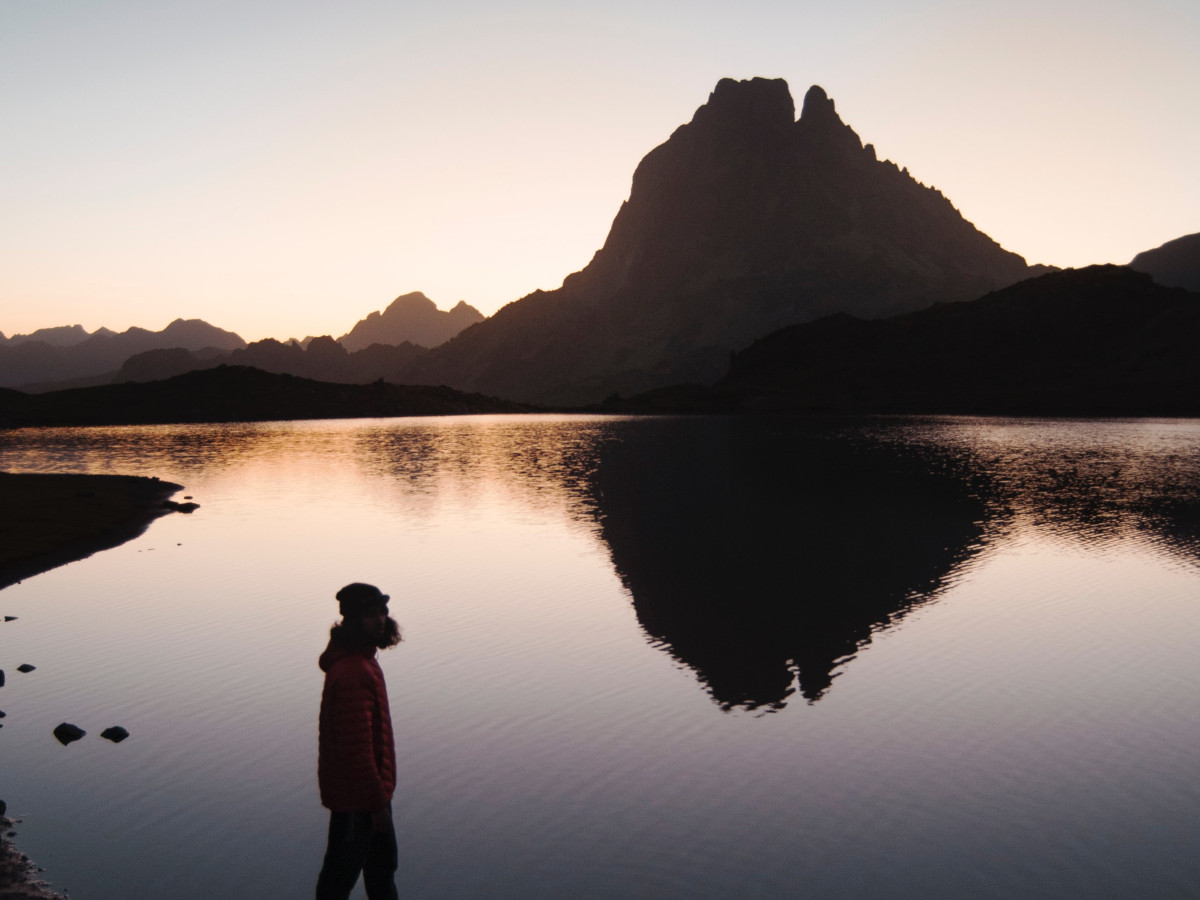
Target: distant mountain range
<point>57,336</point>
<point>378,345</point>
<point>745,221</point>
<point>69,352</point>
<point>322,359</point>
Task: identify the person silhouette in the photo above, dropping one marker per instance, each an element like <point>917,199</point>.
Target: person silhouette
<point>356,760</point>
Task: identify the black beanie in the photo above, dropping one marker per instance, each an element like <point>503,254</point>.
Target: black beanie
<point>356,597</point>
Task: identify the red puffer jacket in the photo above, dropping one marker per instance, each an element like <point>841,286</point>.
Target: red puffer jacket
<point>356,764</point>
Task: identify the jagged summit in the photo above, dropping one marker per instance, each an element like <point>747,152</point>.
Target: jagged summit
<point>745,220</point>
<point>754,104</point>
<point>818,106</point>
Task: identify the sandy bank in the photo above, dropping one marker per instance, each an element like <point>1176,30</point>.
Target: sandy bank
<point>47,520</point>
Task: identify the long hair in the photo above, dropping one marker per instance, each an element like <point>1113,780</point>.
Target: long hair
<point>350,634</point>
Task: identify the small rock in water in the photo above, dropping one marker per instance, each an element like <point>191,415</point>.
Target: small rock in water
<point>180,507</point>
<point>3,807</point>
<point>10,618</point>
<point>66,732</point>
<point>2,715</point>
<point>25,667</point>
<point>1,678</point>
<point>116,734</point>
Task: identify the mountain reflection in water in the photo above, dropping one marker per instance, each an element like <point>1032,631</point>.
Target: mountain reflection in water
<point>763,553</point>
<point>763,556</point>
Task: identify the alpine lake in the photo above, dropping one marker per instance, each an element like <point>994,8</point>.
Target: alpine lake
<point>659,657</point>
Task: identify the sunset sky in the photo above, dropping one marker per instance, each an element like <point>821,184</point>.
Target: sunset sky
<point>281,169</point>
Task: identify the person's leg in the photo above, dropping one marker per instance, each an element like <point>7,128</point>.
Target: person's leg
<point>379,868</point>
<point>345,854</point>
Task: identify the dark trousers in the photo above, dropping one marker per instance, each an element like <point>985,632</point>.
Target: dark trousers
<point>355,848</point>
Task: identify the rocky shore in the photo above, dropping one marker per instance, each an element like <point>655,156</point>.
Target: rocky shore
<point>48,520</point>
<point>18,875</point>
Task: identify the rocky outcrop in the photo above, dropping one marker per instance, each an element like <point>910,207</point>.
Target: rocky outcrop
<point>412,318</point>
<point>744,221</point>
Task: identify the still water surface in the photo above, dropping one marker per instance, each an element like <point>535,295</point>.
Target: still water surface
<point>714,658</point>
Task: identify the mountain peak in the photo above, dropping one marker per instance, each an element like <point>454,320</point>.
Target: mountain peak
<point>743,221</point>
<point>823,127</point>
<point>751,104</point>
<point>411,317</point>
<point>817,104</point>
<point>414,300</point>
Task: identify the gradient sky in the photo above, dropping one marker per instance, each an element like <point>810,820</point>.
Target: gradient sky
<point>283,168</point>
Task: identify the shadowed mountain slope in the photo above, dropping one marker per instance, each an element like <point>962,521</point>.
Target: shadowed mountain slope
<point>412,318</point>
<point>1175,264</point>
<point>1101,340</point>
<point>746,220</point>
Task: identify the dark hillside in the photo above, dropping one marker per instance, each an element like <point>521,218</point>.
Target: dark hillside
<point>1101,340</point>
<point>237,394</point>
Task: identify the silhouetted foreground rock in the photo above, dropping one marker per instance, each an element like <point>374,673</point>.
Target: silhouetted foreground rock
<point>67,733</point>
<point>238,394</point>
<point>47,520</point>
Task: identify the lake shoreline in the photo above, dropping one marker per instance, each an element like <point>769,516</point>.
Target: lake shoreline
<point>50,520</point>
<point>19,876</point>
